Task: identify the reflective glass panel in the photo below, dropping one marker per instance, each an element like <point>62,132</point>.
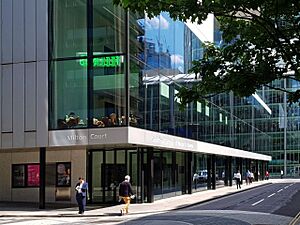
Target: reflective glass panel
<point>69,95</point>
<point>69,28</point>
<point>108,27</point>
<point>109,94</point>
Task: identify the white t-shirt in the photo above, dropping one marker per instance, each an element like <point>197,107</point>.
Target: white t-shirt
<point>238,176</point>
<point>78,188</point>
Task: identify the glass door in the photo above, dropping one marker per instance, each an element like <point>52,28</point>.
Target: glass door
<point>157,178</point>
<point>107,170</point>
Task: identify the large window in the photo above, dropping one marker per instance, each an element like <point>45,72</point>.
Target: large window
<point>108,27</point>
<point>84,95</point>
<point>69,28</point>
<point>69,94</point>
<point>109,95</point>
<point>25,175</point>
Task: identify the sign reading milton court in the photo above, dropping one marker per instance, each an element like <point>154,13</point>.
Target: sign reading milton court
<point>102,61</point>
<point>87,136</point>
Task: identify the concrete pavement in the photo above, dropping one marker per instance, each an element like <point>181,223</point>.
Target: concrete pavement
<point>158,206</point>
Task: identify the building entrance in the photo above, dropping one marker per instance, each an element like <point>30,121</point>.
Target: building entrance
<point>107,169</point>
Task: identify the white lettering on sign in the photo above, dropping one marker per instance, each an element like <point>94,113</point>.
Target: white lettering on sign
<point>76,137</point>
<point>98,136</point>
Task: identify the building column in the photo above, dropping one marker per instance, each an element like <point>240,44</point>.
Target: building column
<point>127,66</point>
<point>189,174</point>
<point>209,168</point>
<point>263,170</point>
<point>42,188</point>
<point>213,172</point>
<point>228,171</point>
<point>150,175</point>
<point>240,166</point>
<point>256,169</point>
<point>90,53</point>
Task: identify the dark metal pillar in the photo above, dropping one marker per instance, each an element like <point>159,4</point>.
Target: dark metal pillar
<point>230,170</point>
<point>256,177</point>
<point>209,166</point>
<point>150,175</point>
<point>263,170</point>
<point>226,172</point>
<point>189,174</point>
<point>127,68</point>
<point>241,169</point>
<point>90,75</point>
<point>42,188</point>
<point>213,172</point>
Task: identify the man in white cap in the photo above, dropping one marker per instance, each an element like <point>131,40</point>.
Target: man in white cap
<point>125,192</point>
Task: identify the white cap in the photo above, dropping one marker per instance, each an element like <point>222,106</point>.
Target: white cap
<point>127,177</point>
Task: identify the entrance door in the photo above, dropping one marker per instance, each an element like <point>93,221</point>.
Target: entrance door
<point>107,170</point>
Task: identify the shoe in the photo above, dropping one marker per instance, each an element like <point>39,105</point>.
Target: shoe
<point>121,212</point>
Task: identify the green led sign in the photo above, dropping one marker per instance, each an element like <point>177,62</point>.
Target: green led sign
<point>107,61</point>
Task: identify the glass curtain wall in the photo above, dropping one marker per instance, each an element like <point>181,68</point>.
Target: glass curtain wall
<point>169,174</point>
<point>157,177</point>
<point>283,127</point>
<point>220,170</point>
<point>179,172</point>
<point>108,64</point>
<point>199,172</point>
<point>87,72</point>
<point>87,79</point>
<point>68,79</point>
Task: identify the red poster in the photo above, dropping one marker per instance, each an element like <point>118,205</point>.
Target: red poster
<point>33,175</point>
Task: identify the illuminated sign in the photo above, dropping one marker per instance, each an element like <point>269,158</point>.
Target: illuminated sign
<point>104,61</point>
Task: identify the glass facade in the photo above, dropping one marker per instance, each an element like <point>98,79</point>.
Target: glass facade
<point>109,68</point>
<point>155,173</point>
<point>87,72</point>
<point>283,127</point>
<point>90,85</point>
<point>68,95</point>
<point>69,26</point>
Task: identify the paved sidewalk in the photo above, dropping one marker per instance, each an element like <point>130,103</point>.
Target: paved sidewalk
<point>158,206</point>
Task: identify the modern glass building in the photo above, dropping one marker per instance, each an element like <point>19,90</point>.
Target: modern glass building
<point>283,127</point>
<point>88,89</point>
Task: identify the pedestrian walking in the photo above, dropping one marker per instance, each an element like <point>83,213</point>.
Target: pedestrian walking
<point>85,192</point>
<point>248,177</point>
<point>195,179</point>
<point>126,194</point>
<point>238,178</point>
<point>267,175</point>
<point>81,190</point>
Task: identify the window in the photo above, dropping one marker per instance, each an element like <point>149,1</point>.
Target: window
<point>69,95</point>
<point>25,175</point>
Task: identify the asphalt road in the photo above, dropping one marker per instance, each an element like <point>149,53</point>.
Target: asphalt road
<point>271,204</point>
<point>280,199</point>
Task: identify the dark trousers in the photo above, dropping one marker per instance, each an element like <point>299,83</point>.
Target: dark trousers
<point>238,183</point>
<point>80,201</point>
